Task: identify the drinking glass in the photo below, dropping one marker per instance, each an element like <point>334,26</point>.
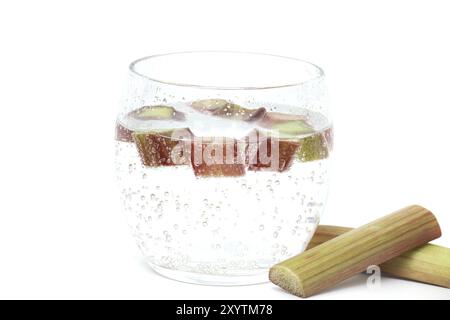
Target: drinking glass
<point>222,162</point>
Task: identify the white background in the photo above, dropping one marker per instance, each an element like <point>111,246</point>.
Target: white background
<point>62,69</point>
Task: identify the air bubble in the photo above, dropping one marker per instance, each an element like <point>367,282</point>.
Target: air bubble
<point>275,234</point>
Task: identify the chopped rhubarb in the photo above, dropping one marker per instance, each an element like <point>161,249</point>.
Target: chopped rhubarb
<point>228,110</point>
<point>272,154</point>
<point>164,148</point>
<point>217,157</point>
<point>157,113</point>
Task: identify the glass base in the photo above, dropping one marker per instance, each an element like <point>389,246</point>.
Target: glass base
<point>259,276</point>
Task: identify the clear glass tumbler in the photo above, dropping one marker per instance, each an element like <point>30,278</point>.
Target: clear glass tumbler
<point>222,162</point>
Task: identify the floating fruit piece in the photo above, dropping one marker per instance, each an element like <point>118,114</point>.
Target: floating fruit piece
<point>286,124</point>
<point>314,147</point>
<point>273,154</point>
<point>255,114</point>
<point>292,128</point>
<point>159,112</point>
<point>218,157</point>
<point>275,117</point>
<point>236,112</point>
<point>209,105</point>
<point>164,147</point>
<point>123,134</point>
<point>226,109</point>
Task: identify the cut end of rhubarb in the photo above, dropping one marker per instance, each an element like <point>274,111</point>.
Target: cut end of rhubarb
<point>287,280</point>
<point>287,125</point>
<point>159,112</point>
<point>293,128</point>
<point>209,105</point>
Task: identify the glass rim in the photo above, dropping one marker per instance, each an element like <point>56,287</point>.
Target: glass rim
<point>319,73</point>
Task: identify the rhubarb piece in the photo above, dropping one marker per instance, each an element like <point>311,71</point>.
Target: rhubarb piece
<point>314,147</point>
<point>428,263</point>
<point>271,118</point>
<point>288,135</point>
<point>286,131</point>
<point>164,147</point>
<point>159,112</point>
<point>123,134</point>
<point>353,252</point>
<point>272,153</point>
<point>287,125</point>
<point>209,105</point>
<point>228,110</point>
<point>254,115</point>
<point>292,128</point>
<point>236,112</point>
<point>217,157</point>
